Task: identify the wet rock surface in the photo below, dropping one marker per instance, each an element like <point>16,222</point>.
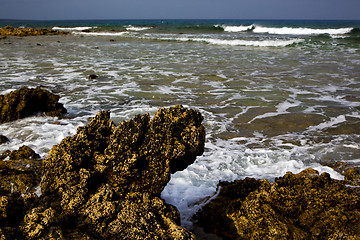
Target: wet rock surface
<point>105,181</point>
<point>296,206</point>
<point>26,102</point>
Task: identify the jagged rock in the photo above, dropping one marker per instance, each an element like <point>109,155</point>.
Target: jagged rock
<point>296,206</point>
<point>26,102</point>
<point>105,181</point>
<point>20,171</point>
<point>3,139</point>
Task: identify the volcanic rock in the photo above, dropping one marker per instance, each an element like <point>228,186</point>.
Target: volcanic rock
<point>26,102</point>
<point>296,206</point>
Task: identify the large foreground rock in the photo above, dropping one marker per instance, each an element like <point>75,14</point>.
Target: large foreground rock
<point>297,206</point>
<point>105,181</point>
<point>26,102</point>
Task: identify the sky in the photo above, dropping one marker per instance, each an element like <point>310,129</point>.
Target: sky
<point>180,9</point>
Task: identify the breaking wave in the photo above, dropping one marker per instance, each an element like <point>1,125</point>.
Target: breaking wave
<point>70,29</point>
<point>287,30</point>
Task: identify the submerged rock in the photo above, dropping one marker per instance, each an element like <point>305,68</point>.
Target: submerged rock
<point>92,77</point>
<point>3,139</point>
<point>105,181</point>
<point>296,206</point>
<point>26,102</point>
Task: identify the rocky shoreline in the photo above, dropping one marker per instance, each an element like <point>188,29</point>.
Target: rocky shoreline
<point>25,32</point>
<point>105,183</point>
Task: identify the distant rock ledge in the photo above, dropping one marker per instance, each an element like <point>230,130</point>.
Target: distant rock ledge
<point>24,32</point>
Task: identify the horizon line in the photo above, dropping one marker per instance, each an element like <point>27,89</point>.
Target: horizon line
<point>162,19</point>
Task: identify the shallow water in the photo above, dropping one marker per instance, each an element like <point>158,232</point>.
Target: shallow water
<point>269,106</point>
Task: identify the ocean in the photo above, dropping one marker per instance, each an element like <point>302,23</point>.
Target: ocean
<point>276,95</point>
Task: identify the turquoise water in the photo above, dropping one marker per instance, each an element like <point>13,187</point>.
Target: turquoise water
<point>276,96</point>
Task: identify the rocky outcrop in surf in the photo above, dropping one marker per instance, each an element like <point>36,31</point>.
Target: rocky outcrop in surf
<point>105,181</point>
<point>29,101</point>
<point>296,206</point>
<point>24,32</point>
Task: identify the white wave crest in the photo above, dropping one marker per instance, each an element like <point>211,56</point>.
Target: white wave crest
<point>72,28</point>
<point>240,28</point>
<point>238,42</point>
<point>259,43</point>
<point>136,29</point>
<point>301,31</point>
<point>114,34</point>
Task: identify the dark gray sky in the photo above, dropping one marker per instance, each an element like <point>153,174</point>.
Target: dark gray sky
<point>183,9</point>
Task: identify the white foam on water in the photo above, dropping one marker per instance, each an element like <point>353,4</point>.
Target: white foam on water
<point>113,34</point>
<point>300,31</point>
<point>240,28</point>
<point>328,124</point>
<point>38,132</point>
<point>7,91</point>
<point>281,108</point>
<point>238,42</point>
<point>137,29</point>
<point>254,43</point>
<point>70,29</point>
<point>226,160</point>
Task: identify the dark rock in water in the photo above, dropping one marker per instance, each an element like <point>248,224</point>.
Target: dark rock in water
<point>20,171</point>
<point>26,102</point>
<point>105,181</point>
<point>3,139</point>
<point>93,76</point>
<point>297,206</point>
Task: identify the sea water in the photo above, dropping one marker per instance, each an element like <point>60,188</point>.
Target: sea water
<point>276,96</point>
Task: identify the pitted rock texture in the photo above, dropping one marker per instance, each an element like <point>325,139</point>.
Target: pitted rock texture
<point>105,181</point>
<point>296,206</point>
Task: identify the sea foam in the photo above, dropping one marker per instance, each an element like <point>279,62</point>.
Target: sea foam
<point>236,42</point>
<point>72,28</point>
<point>287,30</point>
<point>114,34</point>
<point>240,28</point>
<point>301,31</point>
<point>136,29</point>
